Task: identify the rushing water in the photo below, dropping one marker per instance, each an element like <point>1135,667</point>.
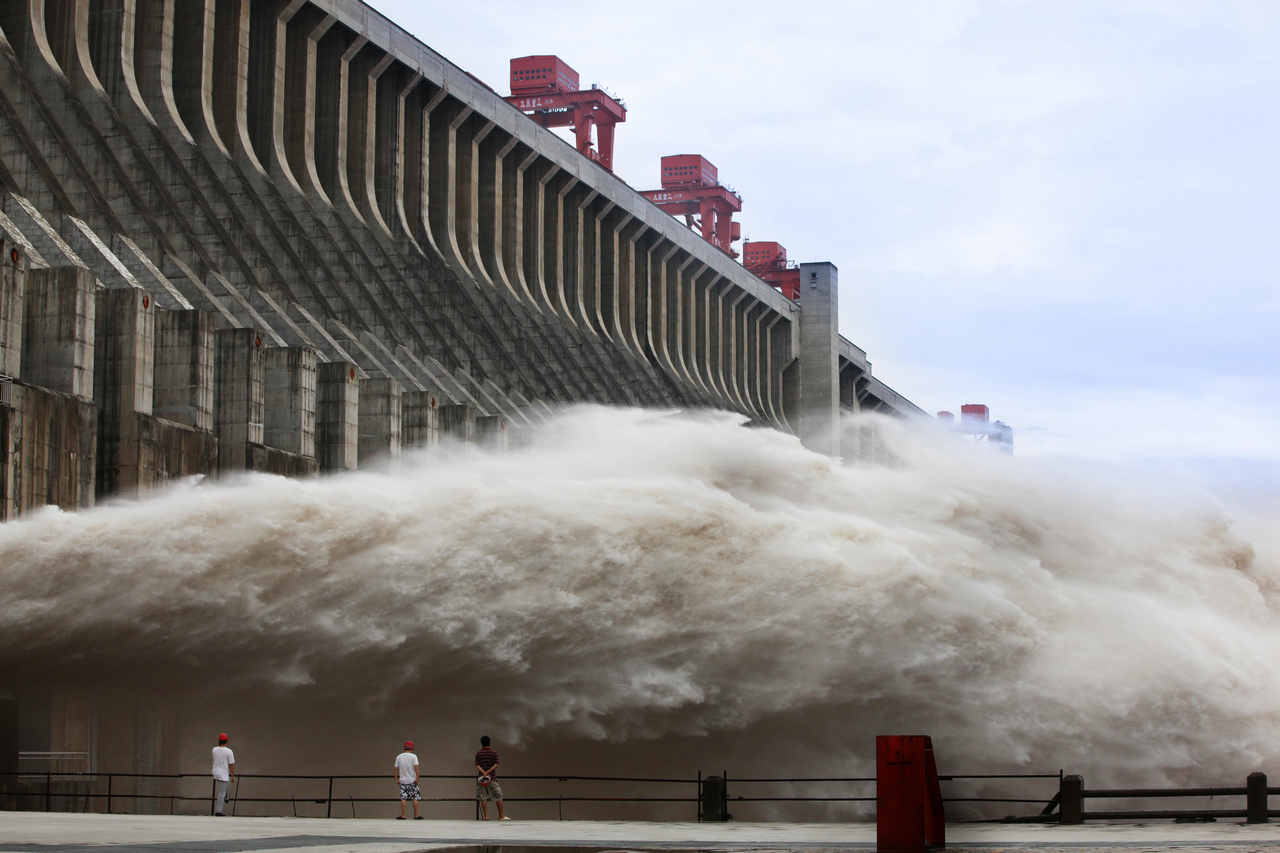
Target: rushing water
<point>651,581</point>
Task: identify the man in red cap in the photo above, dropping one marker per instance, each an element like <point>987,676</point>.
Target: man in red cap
<point>224,772</point>
<point>407,775</point>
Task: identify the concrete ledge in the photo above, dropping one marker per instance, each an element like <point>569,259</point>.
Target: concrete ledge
<point>273,460</point>
<point>23,830</point>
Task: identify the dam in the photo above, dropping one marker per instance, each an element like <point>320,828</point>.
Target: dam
<point>289,237</point>
<point>277,286</point>
<point>286,236</point>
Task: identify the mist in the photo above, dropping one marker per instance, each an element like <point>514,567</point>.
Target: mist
<point>672,592</point>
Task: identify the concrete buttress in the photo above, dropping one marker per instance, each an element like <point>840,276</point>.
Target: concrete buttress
<point>491,432</point>
<point>380,401</point>
<point>238,396</point>
<point>337,416</point>
<point>58,335</point>
<point>289,389</point>
<point>420,419</point>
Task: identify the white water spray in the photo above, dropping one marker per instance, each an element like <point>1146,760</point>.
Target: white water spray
<point>643,576</point>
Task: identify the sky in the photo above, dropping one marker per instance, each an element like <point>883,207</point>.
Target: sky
<point>1069,211</point>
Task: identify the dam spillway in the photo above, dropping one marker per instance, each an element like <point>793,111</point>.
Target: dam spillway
<point>311,178</point>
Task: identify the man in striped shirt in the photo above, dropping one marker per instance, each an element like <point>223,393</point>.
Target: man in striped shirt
<point>487,790</point>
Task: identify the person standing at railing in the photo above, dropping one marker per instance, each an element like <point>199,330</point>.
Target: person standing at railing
<point>407,775</point>
<point>224,772</point>
<point>487,790</point>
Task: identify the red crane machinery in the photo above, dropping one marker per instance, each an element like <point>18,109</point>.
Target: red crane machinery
<point>546,88</point>
<point>768,261</point>
<point>690,188</point>
<point>975,420</point>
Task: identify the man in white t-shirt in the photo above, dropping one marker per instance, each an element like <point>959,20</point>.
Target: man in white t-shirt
<point>224,772</point>
<point>407,775</point>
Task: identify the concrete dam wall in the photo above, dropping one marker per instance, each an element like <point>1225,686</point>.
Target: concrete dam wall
<point>287,236</point>
<point>105,393</point>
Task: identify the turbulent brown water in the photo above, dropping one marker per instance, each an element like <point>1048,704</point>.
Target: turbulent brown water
<point>662,590</point>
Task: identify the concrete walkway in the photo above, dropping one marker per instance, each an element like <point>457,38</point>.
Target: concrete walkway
<point>37,832</point>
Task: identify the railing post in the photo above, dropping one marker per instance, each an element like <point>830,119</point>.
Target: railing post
<point>111,776</point>
<point>1071,809</point>
<point>328,809</point>
<point>1256,788</point>
<point>699,796</point>
<point>48,792</point>
<point>213,797</point>
<point>714,801</point>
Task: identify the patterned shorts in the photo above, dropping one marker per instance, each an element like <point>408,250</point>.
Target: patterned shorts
<point>488,793</point>
<point>409,791</point>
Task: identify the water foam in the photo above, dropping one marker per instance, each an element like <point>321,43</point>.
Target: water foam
<point>643,575</point>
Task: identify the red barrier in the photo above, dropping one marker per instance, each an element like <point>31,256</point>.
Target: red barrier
<point>909,816</point>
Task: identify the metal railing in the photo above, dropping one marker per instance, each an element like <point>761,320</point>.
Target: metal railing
<point>84,786</point>
<point>72,790</point>
<point>872,779</point>
<point>105,788</point>
<point>1255,791</point>
<point>75,785</point>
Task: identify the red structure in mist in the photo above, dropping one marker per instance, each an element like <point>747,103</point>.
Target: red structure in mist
<point>768,261</point>
<point>546,88</point>
<point>691,188</point>
<point>975,420</point>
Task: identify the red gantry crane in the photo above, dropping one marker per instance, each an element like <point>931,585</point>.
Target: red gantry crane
<point>546,88</point>
<point>768,261</point>
<point>975,420</point>
<point>690,188</point>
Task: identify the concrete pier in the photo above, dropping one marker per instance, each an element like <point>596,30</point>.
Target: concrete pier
<point>184,368</point>
<point>137,449</point>
<point>380,410</point>
<point>48,421</point>
<point>123,385</point>
<point>491,432</point>
<point>48,450</point>
<point>458,424</point>
<point>57,351</point>
<point>420,419</point>
<point>289,391</point>
<point>337,416</point>
<point>124,352</point>
<point>238,396</point>
<point>13,287</point>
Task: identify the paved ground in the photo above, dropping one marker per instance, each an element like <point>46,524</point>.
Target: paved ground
<point>35,832</point>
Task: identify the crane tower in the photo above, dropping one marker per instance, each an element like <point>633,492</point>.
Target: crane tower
<point>546,89</point>
<point>768,261</point>
<point>691,188</point>
<point>975,420</point>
